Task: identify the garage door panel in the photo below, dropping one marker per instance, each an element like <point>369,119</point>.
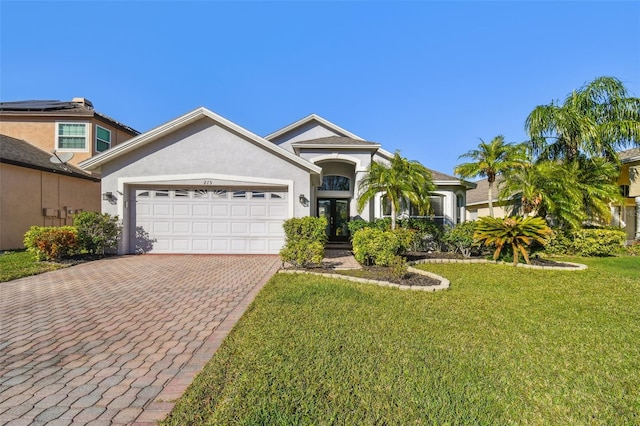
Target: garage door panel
<point>200,210</point>
<point>240,228</point>
<point>220,211</point>
<point>161,210</point>
<point>188,220</point>
<point>180,245</point>
<point>181,227</point>
<point>181,210</point>
<point>200,228</point>
<point>218,228</point>
<point>277,211</point>
<point>239,211</point>
<point>239,246</point>
<point>258,228</point>
<point>200,245</point>
<point>259,211</point>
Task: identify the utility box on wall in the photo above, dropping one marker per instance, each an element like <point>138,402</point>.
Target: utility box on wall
<point>49,212</point>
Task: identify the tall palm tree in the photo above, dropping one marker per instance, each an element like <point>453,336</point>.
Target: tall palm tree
<point>401,181</point>
<point>596,120</point>
<point>490,160</point>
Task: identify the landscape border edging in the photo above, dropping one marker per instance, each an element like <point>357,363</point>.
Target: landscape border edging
<point>444,283</point>
<point>576,266</point>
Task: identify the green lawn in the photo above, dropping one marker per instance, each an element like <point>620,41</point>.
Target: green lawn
<point>503,346</point>
<point>18,264</point>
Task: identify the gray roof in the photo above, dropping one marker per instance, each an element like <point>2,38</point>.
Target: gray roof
<point>80,107</point>
<point>442,176</point>
<point>481,193</point>
<point>21,153</point>
<point>336,140</point>
<point>629,154</point>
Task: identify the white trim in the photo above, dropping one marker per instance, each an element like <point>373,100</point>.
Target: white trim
<point>125,182</point>
<point>87,136</point>
<point>182,121</point>
<point>307,119</point>
<point>339,156</point>
<point>96,137</point>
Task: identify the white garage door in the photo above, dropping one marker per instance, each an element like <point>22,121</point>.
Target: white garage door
<point>212,220</point>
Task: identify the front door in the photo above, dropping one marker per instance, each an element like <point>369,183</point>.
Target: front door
<point>336,211</point>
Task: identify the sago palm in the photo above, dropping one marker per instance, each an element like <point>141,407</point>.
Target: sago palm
<point>401,180</point>
<point>490,160</point>
<point>515,231</point>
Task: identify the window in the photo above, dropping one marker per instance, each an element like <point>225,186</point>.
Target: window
<point>624,190</point>
<point>103,139</point>
<point>437,205</point>
<point>181,193</point>
<point>72,136</point>
<point>257,194</point>
<point>335,183</point>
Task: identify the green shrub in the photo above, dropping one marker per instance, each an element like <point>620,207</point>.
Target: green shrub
<point>427,233</point>
<point>305,240</point>
<point>51,243</point>
<point>425,236</point>
<point>597,242</point>
<point>97,232</point>
<point>560,243</point>
<point>357,224</point>
<point>460,239</point>
<point>372,246</point>
<point>399,267</point>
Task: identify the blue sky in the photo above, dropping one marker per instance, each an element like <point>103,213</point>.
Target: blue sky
<point>427,78</point>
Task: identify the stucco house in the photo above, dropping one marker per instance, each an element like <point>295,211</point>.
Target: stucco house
<point>65,126</point>
<point>626,216</point>
<point>36,191</point>
<point>203,184</point>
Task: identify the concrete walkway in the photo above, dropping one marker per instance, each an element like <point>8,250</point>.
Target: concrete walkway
<point>117,340</point>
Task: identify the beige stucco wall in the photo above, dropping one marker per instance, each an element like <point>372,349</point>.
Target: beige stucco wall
<point>26,192</point>
<point>41,132</point>
<point>481,210</point>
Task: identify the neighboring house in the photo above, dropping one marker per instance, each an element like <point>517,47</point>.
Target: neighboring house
<point>626,216</point>
<point>478,200</point>
<point>202,184</point>
<point>37,192</point>
<point>67,127</point>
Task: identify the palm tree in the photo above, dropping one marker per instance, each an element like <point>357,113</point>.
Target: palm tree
<point>490,160</point>
<point>544,188</point>
<point>570,193</point>
<point>515,231</point>
<point>401,181</point>
<point>596,120</point>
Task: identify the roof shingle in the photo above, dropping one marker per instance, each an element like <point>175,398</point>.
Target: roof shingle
<point>21,153</point>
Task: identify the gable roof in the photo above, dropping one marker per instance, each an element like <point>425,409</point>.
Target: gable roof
<point>480,194</point>
<point>335,142</point>
<point>80,107</point>
<point>182,121</point>
<point>308,119</point>
<point>21,153</point>
<point>629,155</point>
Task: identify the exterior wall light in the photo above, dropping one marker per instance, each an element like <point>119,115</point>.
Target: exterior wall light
<point>107,196</point>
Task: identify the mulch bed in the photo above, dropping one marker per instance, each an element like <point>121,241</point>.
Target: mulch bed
<point>380,273</point>
<point>414,256</point>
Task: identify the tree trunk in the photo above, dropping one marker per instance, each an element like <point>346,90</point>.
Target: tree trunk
<point>393,215</point>
<point>490,198</point>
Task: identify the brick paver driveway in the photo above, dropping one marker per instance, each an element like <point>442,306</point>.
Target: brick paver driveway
<point>114,341</point>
